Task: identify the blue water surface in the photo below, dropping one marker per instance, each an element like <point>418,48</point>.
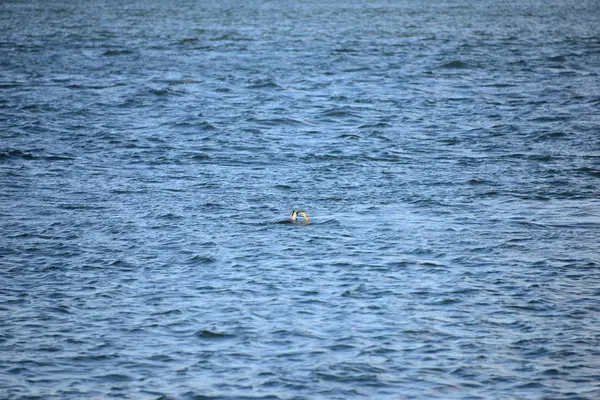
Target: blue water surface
<point>447,152</point>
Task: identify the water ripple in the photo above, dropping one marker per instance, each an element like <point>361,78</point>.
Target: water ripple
<point>446,153</point>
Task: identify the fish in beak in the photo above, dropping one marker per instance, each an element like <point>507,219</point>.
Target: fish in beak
<point>295,214</point>
<point>304,215</point>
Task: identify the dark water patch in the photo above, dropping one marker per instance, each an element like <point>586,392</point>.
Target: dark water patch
<point>264,84</point>
<point>283,187</point>
<point>170,216</point>
<point>344,50</point>
<point>37,154</point>
<point>189,40</point>
<point>589,171</point>
<point>183,82</point>
<point>192,127</point>
<point>340,112</point>
<point>122,265</point>
<point>39,108</point>
<point>349,136</point>
<point>10,85</point>
<point>213,335</point>
<point>378,125</point>
<point>554,372</point>
<point>455,64</point>
<point>559,58</point>
<point>233,36</point>
<point>112,53</point>
<point>200,157</point>
<point>558,117</point>
<point>115,378</point>
<point>276,121</point>
<point>502,85</point>
<point>95,87</point>
<point>385,157</point>
<point>551,136</point>
<point>167,92</point>
<point>478,182</point>
<point>354,70</point>
<point>51,157</point>
<point>81,206</point>
<point>6,154</point>
<point>202,260</point>
<point>169,312</point>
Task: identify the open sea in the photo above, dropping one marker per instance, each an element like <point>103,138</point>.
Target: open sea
<point>447,152</point>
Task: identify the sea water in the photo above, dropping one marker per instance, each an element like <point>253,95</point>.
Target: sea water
<point>447,152</point>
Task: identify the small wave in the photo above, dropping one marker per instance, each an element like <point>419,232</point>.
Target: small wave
<point>212,205</point>
<point>501,85</point>
<point>15,153</point>
<point>193,127</point>
<point>378,125</point>
<point>554,118</point>
<point>340,112</point>
<point>345,50</point>
<point>590,171</point>
<point>167,92</point>
<point>200,157</point>
<point>94,87</point>
<point>476,181</point>
<point>52,157</point>
<point>385,156</point>
<point>61,309</point>
<point>202,260</point>
<point>557,59</point>
<point>117,52</point>
<point>208,334</point>
<point>183,82</point>
<point>276,121</point>
<point>116,378</point>
<point>25,155</point>
<point>188,40</point>
<point>233,37</point>
<point>550,136</point>
<point>174,311</point>
<point>122,265</point>
<point>10,85</point>
<point>170,216</point>
<point>264,85</point>
<point>78,206</point>
<point>349,136</point>
<point>283,187</point>
<point>455,64</point>
<point>357,69</point>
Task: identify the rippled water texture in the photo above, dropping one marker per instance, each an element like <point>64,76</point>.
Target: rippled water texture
<point>448,154</point>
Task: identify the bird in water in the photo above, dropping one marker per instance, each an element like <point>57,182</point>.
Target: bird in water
<point>304,219</point>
